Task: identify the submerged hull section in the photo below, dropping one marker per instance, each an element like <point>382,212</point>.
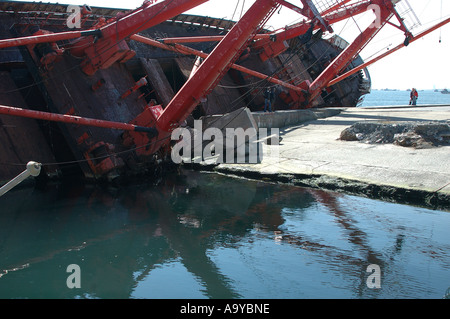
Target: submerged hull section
<point>127,89</point>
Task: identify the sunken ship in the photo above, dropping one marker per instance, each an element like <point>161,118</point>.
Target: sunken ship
<point>95,91</point>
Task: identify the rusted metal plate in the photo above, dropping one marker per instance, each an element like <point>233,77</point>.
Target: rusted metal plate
<point>9,55</point>
<point>21,140</point>
<point>69,91</point>
<point>224,98</point>
<point>158,80</point>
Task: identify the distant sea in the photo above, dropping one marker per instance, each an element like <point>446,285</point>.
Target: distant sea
<point>401,97</point>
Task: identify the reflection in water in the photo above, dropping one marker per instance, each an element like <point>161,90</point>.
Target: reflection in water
<point>202,235</point>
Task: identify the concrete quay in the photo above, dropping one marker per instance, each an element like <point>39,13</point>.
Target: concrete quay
<point>311,154</point>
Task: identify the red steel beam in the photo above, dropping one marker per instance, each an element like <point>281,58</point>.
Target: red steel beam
<point>349,53</point>
<point>134,22</point>
<point>335,7</point>
<point>212,38</point>
<point>347,13</point>
<point>213,67</point>
<point>216,38</point>
<point>335,17</point>
<point>294,8</point>
<point>188,51</point>
<point>38,115</point>
<point>382,56</point>
<point>111,46</point>
<point>288,32</point>
<point>147,16</point>
<point>7,43</point>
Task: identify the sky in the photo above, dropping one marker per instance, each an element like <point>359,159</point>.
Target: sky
<point>423,64</point>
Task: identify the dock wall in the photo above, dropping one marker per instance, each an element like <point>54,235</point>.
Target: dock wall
<point>286,118</point>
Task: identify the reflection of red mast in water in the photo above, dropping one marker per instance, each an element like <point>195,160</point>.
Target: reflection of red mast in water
<point>355,235</point>
<point>166,224</point>
<point>358,237</point>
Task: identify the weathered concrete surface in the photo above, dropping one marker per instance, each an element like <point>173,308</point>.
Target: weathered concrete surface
<point>311,154</point>
<point>291,117</point>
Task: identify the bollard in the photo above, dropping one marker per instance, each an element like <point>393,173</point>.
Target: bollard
<point>33,169</point>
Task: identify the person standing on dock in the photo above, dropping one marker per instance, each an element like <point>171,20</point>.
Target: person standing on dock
<point>268,97</point>
<point>272,97</point>
<point>414,95</point>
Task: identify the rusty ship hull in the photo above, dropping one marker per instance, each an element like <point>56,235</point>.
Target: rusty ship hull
<point>34,79</point>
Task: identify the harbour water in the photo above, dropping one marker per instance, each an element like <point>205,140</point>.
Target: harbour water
<point>401,97</point>
<point>201,235</point>
<point>197,235</point>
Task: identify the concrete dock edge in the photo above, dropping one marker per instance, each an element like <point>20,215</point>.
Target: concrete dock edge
<point>312,155</point>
